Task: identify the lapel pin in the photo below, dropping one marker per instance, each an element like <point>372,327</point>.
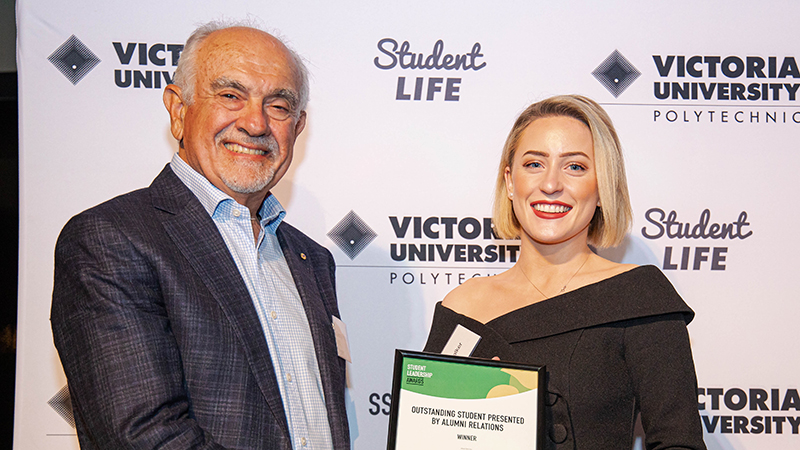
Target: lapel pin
<point>303,256</point>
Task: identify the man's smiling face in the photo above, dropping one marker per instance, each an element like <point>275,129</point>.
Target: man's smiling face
<point>240,127</point>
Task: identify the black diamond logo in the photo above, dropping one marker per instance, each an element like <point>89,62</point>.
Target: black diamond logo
<point>352,235</point>
<point>74,59</point>
<point>616,73</point>
<point>63,405</point>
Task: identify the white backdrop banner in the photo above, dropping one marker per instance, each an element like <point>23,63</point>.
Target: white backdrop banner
<point>410,104</point>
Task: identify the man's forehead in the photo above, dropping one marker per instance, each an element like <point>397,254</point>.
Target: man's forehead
<point>246,50</point>
<point>244,41</point>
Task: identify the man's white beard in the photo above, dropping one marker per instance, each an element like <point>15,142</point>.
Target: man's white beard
<point>244,176</point>
<point>247,177</point>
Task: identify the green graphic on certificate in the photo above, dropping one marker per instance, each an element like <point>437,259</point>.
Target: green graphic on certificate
<point>444,402</point>
<point>482,382</point>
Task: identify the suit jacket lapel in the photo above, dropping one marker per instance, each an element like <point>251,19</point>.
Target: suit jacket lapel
<point>305,271</point>
<point>196,236</point>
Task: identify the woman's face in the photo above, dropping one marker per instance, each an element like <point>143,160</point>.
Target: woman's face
<point>552,182</point>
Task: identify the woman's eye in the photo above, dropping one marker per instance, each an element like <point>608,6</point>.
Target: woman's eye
<point>534,164</point>
<point>576,167</point>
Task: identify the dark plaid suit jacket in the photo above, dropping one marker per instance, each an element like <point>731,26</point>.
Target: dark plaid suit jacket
<point>159,338</point>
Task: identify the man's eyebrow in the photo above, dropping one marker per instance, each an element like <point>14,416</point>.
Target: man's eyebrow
<point>288,95</point>
<point>228,83</point>
<point>225,82</point>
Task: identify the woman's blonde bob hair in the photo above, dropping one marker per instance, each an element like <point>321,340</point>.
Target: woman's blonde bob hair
<point>612,219</point>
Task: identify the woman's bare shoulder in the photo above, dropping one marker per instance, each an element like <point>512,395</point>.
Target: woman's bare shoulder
<point>464,294</point>
<point>605,268</point>
<point>598,270</point>
<point>470,298</point>
<point>614,268</point>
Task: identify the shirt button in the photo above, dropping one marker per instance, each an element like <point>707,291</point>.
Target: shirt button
<point>274,315</point>
<point>303,441</point>
<point>289,377</point>
<point>236,213</point>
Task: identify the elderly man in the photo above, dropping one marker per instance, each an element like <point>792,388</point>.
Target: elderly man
<point>187,315</point>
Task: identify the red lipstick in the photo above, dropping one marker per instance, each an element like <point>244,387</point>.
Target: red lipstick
<point>551,210</point>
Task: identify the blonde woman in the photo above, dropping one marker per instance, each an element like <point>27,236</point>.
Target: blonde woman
<point>613,336</point>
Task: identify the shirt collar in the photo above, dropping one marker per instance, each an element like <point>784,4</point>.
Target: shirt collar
<point>271,212</point>
<point>211,197</point>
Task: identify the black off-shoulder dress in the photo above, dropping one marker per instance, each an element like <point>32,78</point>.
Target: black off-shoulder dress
<point>612,349</point>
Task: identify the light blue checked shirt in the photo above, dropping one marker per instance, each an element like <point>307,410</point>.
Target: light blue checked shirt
<point>278,305</point>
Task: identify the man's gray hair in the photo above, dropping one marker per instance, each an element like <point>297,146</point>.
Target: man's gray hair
<point>186,71</point>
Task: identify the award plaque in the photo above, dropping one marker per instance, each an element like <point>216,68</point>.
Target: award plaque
<point>442,402</point>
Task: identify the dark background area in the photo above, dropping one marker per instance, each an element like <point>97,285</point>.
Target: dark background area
<point>9,218</point>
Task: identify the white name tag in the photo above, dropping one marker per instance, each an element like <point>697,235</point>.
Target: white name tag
<point>342,344</point>
<point>461,343</point>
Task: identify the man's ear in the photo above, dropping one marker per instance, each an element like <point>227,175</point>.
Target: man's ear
<point>173,100</point>
<point>300,125</point>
